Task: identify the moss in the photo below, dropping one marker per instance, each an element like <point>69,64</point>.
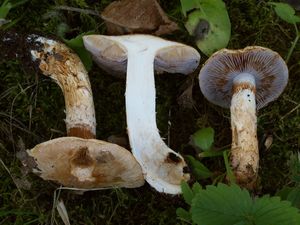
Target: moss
<point>32,108</point>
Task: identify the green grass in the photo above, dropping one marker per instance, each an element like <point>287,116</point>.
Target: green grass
<point>32,110</point>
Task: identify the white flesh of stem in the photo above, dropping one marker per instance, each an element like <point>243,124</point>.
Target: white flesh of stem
<point>146,143</point>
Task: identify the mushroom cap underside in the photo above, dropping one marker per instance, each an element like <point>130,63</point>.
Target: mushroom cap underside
<point>110,53</point>
<point>266,66</point>
<point>86,163</point>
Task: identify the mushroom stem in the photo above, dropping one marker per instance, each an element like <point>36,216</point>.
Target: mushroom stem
<point>162,166</point>
<point>244,149</point>
<point>66,69</point>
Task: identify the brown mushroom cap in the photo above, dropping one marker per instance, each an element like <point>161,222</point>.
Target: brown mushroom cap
<point>268,68</point>
<point>137,16</point>
<point>111,55</point>
<point>86,163</point>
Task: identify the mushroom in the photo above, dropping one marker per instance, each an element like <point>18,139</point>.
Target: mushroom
<point>164,169</point>
<point>244,80</point>
<point>137,16</point>
<point>78,161</point>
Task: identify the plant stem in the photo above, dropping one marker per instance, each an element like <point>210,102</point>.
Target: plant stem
<point>293,45</point>
<point>73,9</point>
<point>229,171</point>
<point>211,153</point>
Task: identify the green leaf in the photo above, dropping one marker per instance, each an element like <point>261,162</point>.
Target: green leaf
<point>220,205</point>
<point>284,192</point>
<point>5,8</point>
<point>187,192</point>
<point>228,205</point>
<point>294,167</point>
<point>294,197</point>
<point>271,210</point>
<point>296,178</point>
<point>81,3</point>
<point>229,171</point>
<point>199,170</point>
<point>183,214</point>
<point>187,5</point>
<point>196,188</point>
<point>77,45</point>
<point>203,138</point>
<point>211,153</point>
<point>286,12</point>
<point>210,25</point>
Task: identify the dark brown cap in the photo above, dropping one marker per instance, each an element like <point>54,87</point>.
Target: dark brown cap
<point>137,16</point>
<point>266,66</point>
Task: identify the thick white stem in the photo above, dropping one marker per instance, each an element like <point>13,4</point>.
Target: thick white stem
<point>244,149</point>
<point>65,67</point>
<point>162,166</point>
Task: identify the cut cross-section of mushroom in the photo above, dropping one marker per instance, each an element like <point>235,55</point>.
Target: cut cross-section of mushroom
<point>78,161</point>
<point>244,80</point>
<point>164,168</point>
<point>86,163</point>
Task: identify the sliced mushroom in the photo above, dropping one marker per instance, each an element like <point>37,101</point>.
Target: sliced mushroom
<point>164,169</point>
<point>86,163</point>
<point>79,161</point>
<point>244,80</point>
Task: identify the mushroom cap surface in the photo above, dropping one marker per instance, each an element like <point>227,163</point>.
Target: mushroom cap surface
<point>86,163</point>
<point>110,53</point>
<point>266,66</point>
<point>137,16</point>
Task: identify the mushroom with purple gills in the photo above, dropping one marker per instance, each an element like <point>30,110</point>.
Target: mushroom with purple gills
<point>244,80</point>
<point>164,169</point>
<point>78,161</point>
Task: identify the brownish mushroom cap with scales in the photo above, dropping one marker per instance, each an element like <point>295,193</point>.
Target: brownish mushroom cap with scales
<point>137,16</point>
<point>78,161</point>
<point>244,80</point>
